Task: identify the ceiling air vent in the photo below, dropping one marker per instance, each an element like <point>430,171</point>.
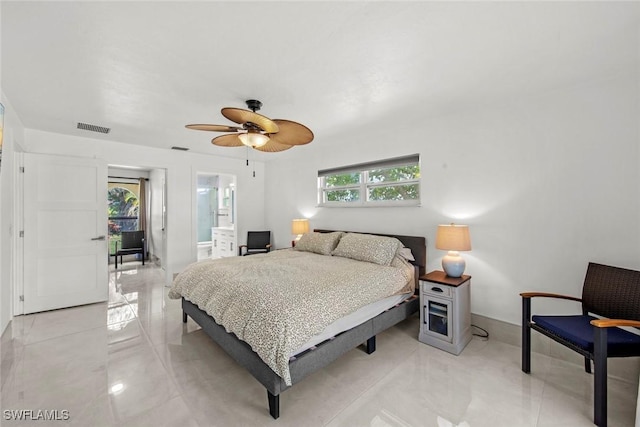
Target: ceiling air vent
<point>93,128</point>
<point>175,147</point>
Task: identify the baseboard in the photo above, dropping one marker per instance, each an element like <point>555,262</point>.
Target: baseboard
<point>625,368</point>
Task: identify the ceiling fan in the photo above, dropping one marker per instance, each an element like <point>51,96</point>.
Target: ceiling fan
<point>257,131</point>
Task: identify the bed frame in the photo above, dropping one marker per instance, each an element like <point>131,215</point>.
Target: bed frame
<point>322,354</point>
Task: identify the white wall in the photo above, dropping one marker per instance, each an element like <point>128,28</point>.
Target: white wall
<point>181,246</point>
<point>546,184</point>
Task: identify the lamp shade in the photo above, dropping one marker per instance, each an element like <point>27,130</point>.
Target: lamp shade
<point>453,237</point>
<point>300,226</point>
<point>253,138</point>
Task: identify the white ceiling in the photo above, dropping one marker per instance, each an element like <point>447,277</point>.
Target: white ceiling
<point>145,69</point>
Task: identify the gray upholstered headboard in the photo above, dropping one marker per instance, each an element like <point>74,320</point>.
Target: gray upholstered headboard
<point>417,244</point>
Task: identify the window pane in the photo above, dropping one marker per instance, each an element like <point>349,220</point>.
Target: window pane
<point>395,192</point>
<point>342,195</point>
<point>402,173</point>
<point>342,179</point>
<point>122,210</point>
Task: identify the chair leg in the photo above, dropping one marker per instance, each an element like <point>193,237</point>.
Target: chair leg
<point>600,377</point>
<point>526,335</point>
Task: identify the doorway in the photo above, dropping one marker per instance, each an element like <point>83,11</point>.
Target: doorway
<point>216,215</point>
<point>207,213</point>
<point>136,201</point>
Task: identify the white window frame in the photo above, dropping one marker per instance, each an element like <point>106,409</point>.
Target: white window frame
<point>363,187</point>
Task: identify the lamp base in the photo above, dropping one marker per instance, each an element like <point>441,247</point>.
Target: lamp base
<point>453,264</point>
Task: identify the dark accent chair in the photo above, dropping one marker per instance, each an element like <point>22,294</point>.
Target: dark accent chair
<point>258,242</point>
<point>611,293</point>
<point>132,243</point>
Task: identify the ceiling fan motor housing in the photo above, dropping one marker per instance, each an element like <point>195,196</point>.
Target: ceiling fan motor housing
<point>253,104</point>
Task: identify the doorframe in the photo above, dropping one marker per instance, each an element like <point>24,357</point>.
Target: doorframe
<point>17,270</point>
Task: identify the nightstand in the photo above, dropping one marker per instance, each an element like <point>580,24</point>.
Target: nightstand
<point>445,311</point>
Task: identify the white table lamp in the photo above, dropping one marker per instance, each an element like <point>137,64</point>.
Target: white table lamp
<point>453,238</point>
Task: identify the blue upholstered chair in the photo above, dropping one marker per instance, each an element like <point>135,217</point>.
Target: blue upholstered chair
<point>610,298</point>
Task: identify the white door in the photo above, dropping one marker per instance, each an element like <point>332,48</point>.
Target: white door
<point>65,228</point>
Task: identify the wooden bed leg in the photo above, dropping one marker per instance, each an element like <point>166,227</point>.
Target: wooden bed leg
<point>274,405</point>
<point>371,345</point>
<point>184,317</point>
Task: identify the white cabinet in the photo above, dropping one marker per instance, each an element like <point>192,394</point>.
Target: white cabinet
<point>445,311</point>
<point>223,242</point>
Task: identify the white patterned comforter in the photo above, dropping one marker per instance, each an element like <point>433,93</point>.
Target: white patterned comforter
<point>275,302</point>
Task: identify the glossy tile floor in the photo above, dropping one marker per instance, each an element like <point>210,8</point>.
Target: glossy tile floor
<point>132,362</point>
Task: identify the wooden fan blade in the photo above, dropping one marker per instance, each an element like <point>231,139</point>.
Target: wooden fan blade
<point>273,147</point>
<point>214,128</point>
<point>238,115</point>
<point>231,140</point>
<point>291,133</point>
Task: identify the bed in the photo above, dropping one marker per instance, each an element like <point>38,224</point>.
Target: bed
<point>281,363</point>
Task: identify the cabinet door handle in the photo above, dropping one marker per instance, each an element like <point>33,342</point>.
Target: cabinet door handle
<point>435,289</point>
<point>231,246</point>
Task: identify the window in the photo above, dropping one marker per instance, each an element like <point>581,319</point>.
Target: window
<point>123,207</point>
<point>390,182</point>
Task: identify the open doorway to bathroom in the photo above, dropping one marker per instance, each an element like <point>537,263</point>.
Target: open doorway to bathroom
<point>216,211</point>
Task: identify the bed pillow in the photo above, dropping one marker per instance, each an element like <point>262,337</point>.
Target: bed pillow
<point>406,253</point>
<point>367,247</point>
<point>319,243</point>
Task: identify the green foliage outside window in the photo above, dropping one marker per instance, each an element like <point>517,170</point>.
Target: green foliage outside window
<point>122,202</point>
<point>342,180</point>
<point>396,192</point>
<point>123,207</point>
<point>404,173</point>
<point>343,195</point>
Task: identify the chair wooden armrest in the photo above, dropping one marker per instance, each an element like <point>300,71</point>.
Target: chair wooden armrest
<point>609,323</point>
<point>549,295</point>
<point>268,247</point>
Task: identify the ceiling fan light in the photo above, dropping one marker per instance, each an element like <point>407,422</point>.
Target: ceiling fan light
<point>253,139</point>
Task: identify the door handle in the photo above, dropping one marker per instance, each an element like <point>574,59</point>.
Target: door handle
<point>98,238</point>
